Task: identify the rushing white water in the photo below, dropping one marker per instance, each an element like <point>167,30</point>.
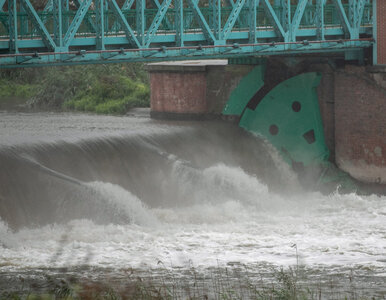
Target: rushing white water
<point>207,216</point>
<point>232,218</point>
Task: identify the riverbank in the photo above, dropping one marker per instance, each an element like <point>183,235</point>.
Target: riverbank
<point>232,282</point>
<point>101,89</point>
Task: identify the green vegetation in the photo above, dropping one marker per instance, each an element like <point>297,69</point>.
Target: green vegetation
<point>218,284</point>
<point>9,89</point>
<point>103,89</point>
<point>14,89</point>
<point>110,94</point>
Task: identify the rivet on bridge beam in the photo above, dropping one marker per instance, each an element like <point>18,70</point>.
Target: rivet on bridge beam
<point>81,52</point>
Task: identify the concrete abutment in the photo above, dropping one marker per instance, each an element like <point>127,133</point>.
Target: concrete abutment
<point>352,102</point>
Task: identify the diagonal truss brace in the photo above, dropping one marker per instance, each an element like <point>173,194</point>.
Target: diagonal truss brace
<point>88,20</point>
<point>274,19</point>
<point>124,24</point>
<point>356,10</point>
<point>201,21</point>
<point>48,8</point>
<point>5,23</point>
<point>79,16</point>
<point>232,18</point>
<point>343,18</point>
<point>156,22</point>
<point>241,20</point>
<point>360,9</point>
<point>168,24</point>
<point>42,30</point>
<point>126,5</point>
<point>297,18</point>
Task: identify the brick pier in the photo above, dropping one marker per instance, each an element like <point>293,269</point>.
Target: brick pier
<point>381,31</point>
<point>352,101</point>
<point>192,89</point>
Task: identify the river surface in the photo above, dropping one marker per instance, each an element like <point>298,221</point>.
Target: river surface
<point>96,196</point>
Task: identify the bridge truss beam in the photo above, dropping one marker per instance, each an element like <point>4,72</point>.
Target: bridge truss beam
<point>101,31</point>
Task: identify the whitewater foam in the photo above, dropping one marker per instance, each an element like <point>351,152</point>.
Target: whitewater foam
<point>122,203</point>
<point>329,231</point>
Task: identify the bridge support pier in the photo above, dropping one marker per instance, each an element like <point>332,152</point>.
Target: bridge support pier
<point>192,89</point>
<point>360,124</point>
<point>352,102</point>
<point>379,15</point>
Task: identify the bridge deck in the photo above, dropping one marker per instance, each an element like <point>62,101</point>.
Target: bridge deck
<point>61,34</point>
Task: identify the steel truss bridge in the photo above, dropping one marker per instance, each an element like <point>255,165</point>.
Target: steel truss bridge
<point>63,32</point>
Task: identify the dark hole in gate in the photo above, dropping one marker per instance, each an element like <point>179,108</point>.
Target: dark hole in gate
<point>309,136</point>
<point>273,129</point>
<point>296,106</point>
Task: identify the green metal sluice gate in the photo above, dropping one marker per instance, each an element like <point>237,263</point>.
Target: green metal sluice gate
<point>288,116</point>
<point>60,32</point>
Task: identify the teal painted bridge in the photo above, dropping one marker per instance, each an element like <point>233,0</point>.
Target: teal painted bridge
<point>63,32</point>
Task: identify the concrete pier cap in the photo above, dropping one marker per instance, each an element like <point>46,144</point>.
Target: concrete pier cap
<point>192,89</point>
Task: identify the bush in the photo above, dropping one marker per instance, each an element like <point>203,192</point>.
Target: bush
<point>111,94</point>
<point>111,89</point>
<point>10,89</point>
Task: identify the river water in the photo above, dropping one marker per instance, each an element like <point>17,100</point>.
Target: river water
<point>97,196</point>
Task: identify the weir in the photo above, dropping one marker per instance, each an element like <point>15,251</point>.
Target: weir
<point>157,166</point>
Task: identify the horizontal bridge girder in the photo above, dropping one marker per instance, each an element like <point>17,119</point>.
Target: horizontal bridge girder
<point>180,53</point>
<point>30,37</point>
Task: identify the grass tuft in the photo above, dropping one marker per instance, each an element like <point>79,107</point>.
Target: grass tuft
<point>165,284</point>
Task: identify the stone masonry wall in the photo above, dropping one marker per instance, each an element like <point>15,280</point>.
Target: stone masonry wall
<point>381,31</point>
<point>221,81</point>
<point>178,92</point>
<point>195,90</point>
<point>360,125</point>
